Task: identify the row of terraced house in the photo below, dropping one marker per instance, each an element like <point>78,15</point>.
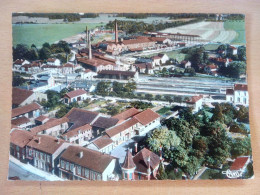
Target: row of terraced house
<point>56,145</point>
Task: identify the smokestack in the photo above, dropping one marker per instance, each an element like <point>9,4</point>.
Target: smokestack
<point>86,36</point>
<point>149,170</point>
<point>116,32</point>
<point>89,47</point>
<point>135,147</point>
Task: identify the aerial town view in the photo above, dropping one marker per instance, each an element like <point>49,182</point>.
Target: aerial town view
<point>127,96</point>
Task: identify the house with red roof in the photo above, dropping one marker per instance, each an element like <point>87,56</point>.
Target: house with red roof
<point>18,141</point>
<point>238,94</point>
<point>43,152</point>
<point>211,69</point>
<point>79,163</point>
<point>195,102</point>
<point>143,166</point>
<point>240,164</point>
<point>29,111</point>
<point>19,62</point>
<point>80,135</point>
<point>159,59</point>
<point>75,96</point>
<point>232,50</point>
<point>53,127</point>
<point>137,125</point>
<point>53,62</point>
<point>102,144</point>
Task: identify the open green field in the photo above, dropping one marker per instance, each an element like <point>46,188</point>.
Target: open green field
<point>239,27</point>
<point>211,47</point>
<point>40,33</point>
<point>176,55</point>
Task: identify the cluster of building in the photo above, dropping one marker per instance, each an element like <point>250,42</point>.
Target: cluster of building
<point>78,145</point>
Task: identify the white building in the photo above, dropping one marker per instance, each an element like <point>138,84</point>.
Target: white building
<point>238,95</point>
<point>195,102</point>
<point>160,59</point>
<point>53,61</point>
<point>75,96</point>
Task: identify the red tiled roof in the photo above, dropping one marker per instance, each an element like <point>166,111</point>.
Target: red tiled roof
<point>91,159</point>
<point>46,143</point>
<point>126,114</point>
<point>20,137</point>
<point>75,93</point>
<point>41,118</point>
<point>19,61</point>
<point>140,160</point>
<point>194,99</point>
<point>74,132</point>
<point>144,65</point>
<point>157,39</point>
<point>117,72</point>
<point>51,66</point>
<point>25,109</point>
<point>20,95</point>
<point>105,122</point>
<point>49,124</point>
<point>20,121</point>
<point>229,92</point>
<point>80,117</point>
<point>136,49</point>
<point>240,87</point>
<point>128,162</point>
<point>96,62</point>
<point>68,65</point>
<point>136,41</point>
<point>121,127</point>
<point>103,141</point>
<point>146,116</point>
<point>239,163</point>
<point>88,70</point>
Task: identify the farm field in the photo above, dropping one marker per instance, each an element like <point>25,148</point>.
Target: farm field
<point>239,27</point>
<point>40,33</point>
<point>209,31</point>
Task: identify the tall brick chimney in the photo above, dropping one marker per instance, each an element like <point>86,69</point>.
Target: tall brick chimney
<point>86,36</point>
<point>89,47</point>
<point>116,32</point>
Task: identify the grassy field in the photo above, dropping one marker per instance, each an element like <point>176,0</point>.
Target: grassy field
<point>211,47</point>
<point>207,173</point>
<point>163,110</point>
<point>176,55</point>
<point>239,27</point>
<point>40,33</point>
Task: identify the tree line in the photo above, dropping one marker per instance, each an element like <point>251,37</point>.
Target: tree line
<point>22,51</point>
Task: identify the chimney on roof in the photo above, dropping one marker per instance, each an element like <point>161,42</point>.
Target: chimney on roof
<point>89,47</point>
<point>149,170</point>
<point>39,140</point>
<point>58,141</point>
<point>116,32</point>
<point>81,154</point>
<point>136,147</point>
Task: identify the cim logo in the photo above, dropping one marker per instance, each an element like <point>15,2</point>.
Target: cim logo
<point>233,174</point>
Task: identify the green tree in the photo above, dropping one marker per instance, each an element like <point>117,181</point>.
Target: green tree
<point>241,147</point>
<point>44,53</point>
<point>217,114</point>
<point>241,52</point>
<point>20,51</point>
<point>148,97</point>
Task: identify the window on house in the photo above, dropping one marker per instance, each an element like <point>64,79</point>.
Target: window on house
<point>41,155</point>
<point>71,167</point>
<point>125,175</point>
<point>87,173</point>
<point>17,148</point>
<point>30,152</point>
<point>99,177</point>
<point>36,154</point>
<point>130,175</point>
<point>48,159</point>
<point>62,164</point>
<point>79,170</point>
<point>93,176</point>
<point>67,166</point>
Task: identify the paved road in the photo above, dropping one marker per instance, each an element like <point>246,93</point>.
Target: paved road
<point>15,170</point>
